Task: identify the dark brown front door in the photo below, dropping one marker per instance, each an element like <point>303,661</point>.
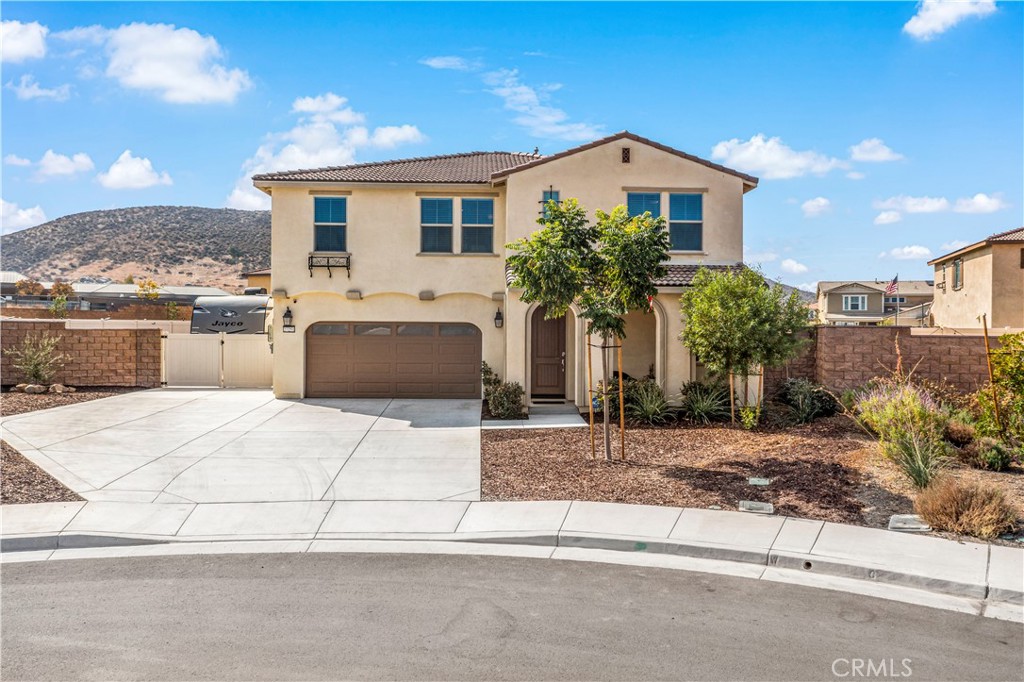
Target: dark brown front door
<point>548,351</point>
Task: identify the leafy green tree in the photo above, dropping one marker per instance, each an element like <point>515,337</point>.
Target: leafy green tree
<point>59,307</point>
<point>606,269</point>
<point>734,322</point>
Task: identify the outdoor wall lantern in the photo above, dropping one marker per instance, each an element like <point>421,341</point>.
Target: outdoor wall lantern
<point>289,326</point>
<point>499,319</point>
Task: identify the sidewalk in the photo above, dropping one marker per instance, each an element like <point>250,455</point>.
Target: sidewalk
<point>834,556</point>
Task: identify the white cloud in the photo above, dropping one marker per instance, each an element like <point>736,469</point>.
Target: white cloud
<point>954,245</point>
<point>913,204</point>
<point>935,17</point>
<point>771,158</point>
<point>815,207</point>
<point>980,203</point>
<point>132,172</point>
<point>855,175</point>
<point>793,267</point>
<point>327,134</point>
<point>538,118</point>
<point>14,218</point>
<point>760,256</point>
<point>913,252</point>
<point>15,160</point>
<point>808,286</point>
<point>19,41</point>
<point>873,150</point>
<point>178,64</point>
<point>450,62</point>
<point>55,165</point>
<point>888,217</point>
<point>28,88</point>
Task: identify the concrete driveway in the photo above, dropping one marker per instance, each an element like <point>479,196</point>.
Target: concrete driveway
<point>194,445</point>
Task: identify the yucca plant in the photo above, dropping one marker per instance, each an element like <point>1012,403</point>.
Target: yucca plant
<point>703,403</point>
<point>646,404</point>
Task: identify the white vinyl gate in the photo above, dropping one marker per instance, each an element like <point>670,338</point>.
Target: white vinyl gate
<point>219,360</point>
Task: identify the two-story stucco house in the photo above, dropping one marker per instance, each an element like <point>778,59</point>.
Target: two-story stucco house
<point>866,303</point>
<point>393,277</point>
<point>986,277</point>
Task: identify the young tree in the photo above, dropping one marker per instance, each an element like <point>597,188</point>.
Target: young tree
<point>29,287</point>
<point>606,269</point>
<point>62,288</point>
<point>59,307</point>
<point>734,322</point>
<point>147,289</point>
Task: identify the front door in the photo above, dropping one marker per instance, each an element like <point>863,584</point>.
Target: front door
<point>548,356</point>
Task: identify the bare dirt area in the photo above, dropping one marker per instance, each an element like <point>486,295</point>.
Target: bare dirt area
<point>830,470</point>
<point>18,403</point>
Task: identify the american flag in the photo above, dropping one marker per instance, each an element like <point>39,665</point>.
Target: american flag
<point>892,286</point>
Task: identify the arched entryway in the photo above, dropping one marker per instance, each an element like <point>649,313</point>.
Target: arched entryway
<point>547,356</point>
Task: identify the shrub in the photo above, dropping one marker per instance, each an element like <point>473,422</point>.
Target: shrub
<point>506,400</point>
<point>919,455</point>
<point>37,358</point>
<point>171,309</point>
<point>808,400</point>
<point>959,432</point>
<point>749,416</point>
<point>59,307</point>
<point>703,403</point>
<point>892,408</point>
<point>646,404</point>
<point>1011,414</point>
<point>988,453</point>
<point>490,380</point>
<point>966,508</point>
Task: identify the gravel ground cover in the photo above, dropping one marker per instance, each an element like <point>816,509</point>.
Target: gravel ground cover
<point>830,470</point>
<point>21,481</point>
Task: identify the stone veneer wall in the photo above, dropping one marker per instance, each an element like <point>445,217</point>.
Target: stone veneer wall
<point>97,357</point>
<point>849,357</point>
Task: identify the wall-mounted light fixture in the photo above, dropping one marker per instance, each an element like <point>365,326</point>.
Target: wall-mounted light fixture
<point>289,322</point>
<point>499,319</point>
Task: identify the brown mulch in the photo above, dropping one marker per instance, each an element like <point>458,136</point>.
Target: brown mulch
<point>22,482</point>
<point>18,403</point>
<point>829,470</point>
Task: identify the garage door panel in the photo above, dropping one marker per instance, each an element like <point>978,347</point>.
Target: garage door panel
<point>393,359</point>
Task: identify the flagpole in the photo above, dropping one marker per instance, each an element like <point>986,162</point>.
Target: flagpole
<point>897,299</point>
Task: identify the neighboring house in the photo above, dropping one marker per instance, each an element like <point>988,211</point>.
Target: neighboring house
<point>259,279</point>
<point>865,303</point>
<point>986,277</point>
<point>8,278</point>
<point>113,295</point>
<point>392,274</point>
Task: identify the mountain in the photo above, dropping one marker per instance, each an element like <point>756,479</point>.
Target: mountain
<point>172,244</point>
<point>805,296</point>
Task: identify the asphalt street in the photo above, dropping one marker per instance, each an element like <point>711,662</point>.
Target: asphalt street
<point>403,616</point>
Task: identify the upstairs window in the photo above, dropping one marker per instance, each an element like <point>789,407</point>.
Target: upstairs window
<point>958,274</point>
<point>549,195</point>
<point>686,222</point>
<point>435,225</point>
<point>330,223</point>
<point>477,225</point>
<point>855,303</point>
<point>638,203</point>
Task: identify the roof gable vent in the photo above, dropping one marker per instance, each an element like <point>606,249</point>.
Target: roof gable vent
<point>625,155</point>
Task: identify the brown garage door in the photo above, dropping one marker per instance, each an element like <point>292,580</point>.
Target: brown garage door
<point>393,360</point>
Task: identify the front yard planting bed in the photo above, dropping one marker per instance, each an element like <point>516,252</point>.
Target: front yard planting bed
<point>829,470</point>
<point>18,403</point>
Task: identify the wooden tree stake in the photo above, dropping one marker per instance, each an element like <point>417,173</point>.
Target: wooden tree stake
<point>622,407</point>
<point>991,377</point>
<point>590,397</point>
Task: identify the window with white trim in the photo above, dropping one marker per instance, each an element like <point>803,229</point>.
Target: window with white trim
<point>854,303</point>
<point>477,225</point>
<point>330,224</point>
<point>436,221</point>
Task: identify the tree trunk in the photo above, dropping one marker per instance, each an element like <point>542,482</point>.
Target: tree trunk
<point>607,404</point>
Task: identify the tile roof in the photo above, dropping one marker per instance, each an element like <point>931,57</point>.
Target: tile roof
<point>626,135</point>
<point>1009,237</point>
<point>677,276</point>
<point>471,167</point>
<point>909,287</point>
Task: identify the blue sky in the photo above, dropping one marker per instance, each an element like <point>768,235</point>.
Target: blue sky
<point>883,133</point>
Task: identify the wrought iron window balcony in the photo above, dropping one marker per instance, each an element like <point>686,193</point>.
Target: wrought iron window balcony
<point>331,261</point>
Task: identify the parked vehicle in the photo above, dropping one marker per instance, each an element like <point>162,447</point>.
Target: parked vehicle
<point>231,314</point>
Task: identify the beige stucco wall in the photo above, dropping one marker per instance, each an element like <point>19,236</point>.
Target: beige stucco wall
<point>1007,285</point>
<point>962,308</point>
<point>258,281</point>
<point>835,301</point>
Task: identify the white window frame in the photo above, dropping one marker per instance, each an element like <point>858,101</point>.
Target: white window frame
<point>862,301</point>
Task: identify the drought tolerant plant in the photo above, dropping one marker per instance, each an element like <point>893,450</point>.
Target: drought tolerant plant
<point>606,270</point>
<point>489,378</point>
<point>171,309</point>
<point>506,400</point>
<point>37,358</point>
<point>735,322</point>
<point>966,508</point>
<point>919,455</point>
<point>147,289</point>
<point>750,415</point>
<point>58,307</point>
<point>807,400</point>
<point>959,432</point>
<point>988,453</point>
<point>703,403</point>
<point>646,404</point>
